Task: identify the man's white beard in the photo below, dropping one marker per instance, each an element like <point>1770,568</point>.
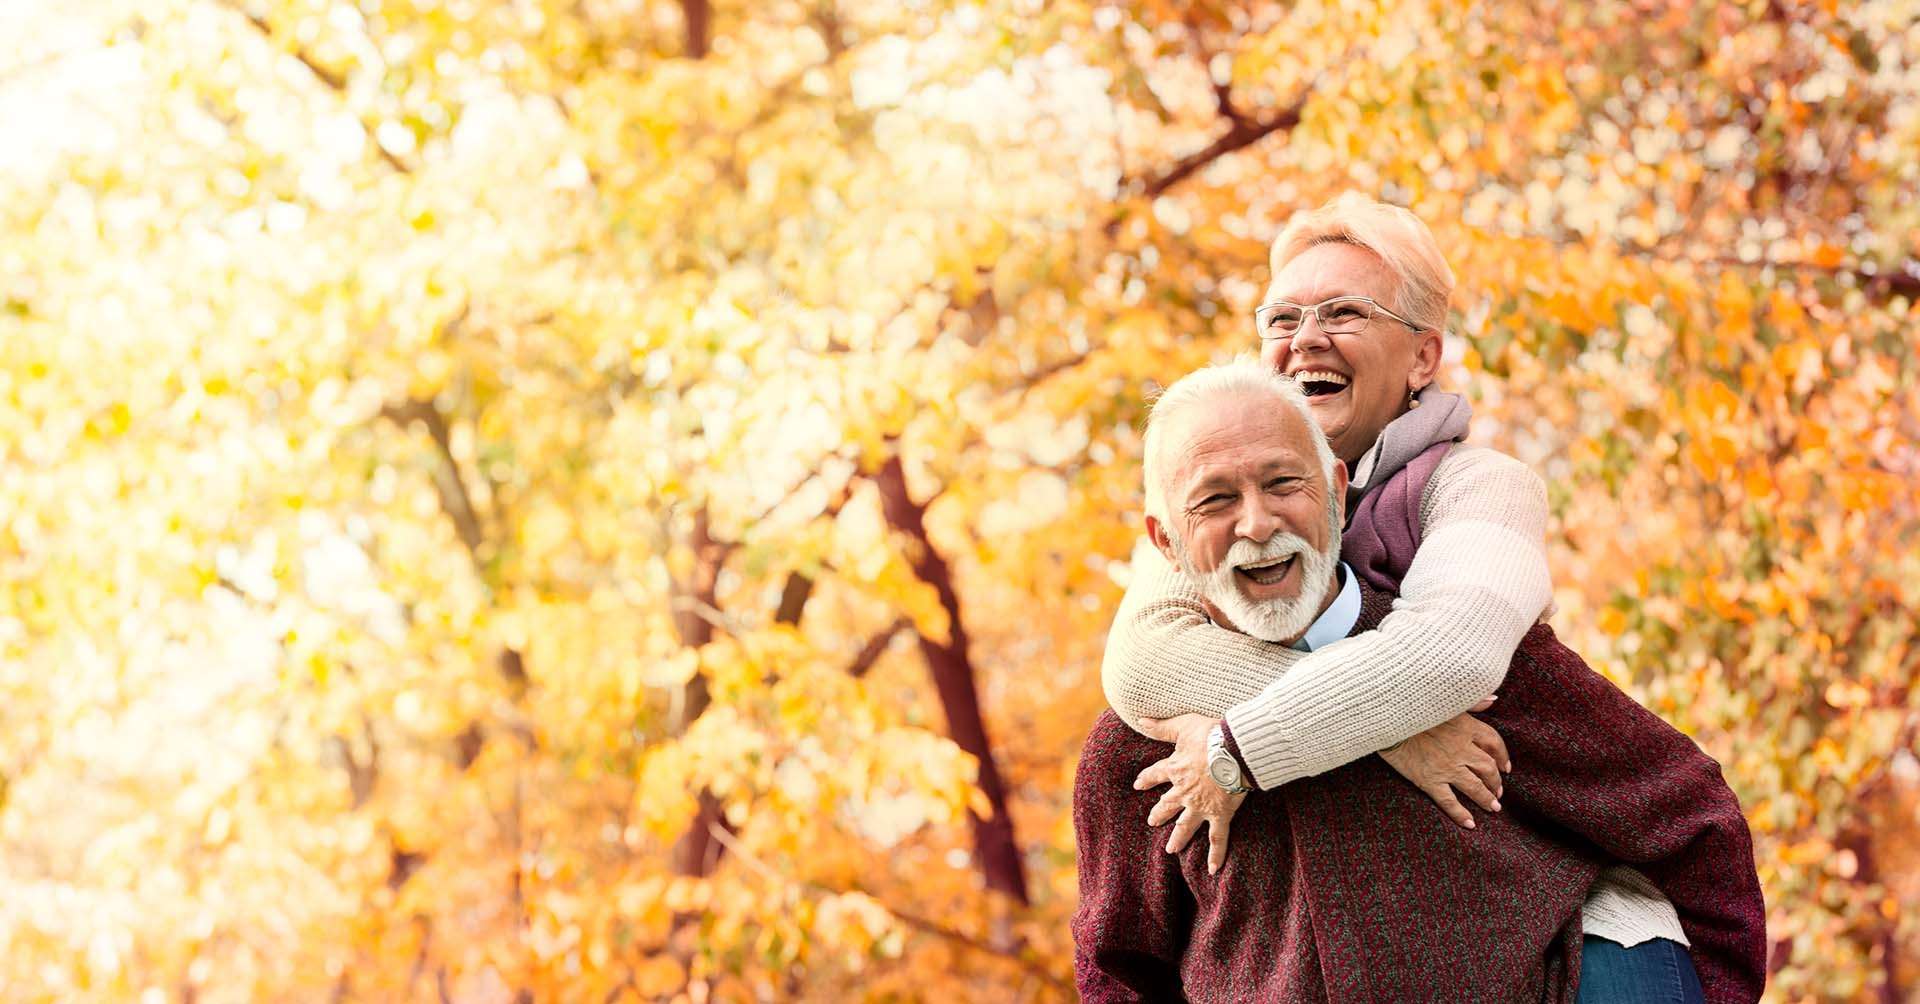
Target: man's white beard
<point>1276,619</point>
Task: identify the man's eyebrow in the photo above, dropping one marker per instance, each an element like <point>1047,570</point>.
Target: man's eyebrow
<point>1279,467</point>
<point>1208,483</point>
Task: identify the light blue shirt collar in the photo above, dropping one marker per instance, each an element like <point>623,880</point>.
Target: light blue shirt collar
<point>1339,618</point>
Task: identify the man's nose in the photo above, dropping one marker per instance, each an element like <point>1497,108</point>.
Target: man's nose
<point>1257,519</point>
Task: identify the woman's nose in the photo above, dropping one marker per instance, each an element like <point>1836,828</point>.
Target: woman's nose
<point>1310,336</point>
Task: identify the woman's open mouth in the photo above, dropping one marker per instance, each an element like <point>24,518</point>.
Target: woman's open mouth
<point>1320,383</point>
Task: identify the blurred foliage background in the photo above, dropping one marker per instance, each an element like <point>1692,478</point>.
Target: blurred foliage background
<point>621,500</point>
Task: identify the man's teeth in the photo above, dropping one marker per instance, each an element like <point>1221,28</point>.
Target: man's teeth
<point>1268,573</point>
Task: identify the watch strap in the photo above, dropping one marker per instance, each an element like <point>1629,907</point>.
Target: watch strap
<point>1227,742</point>
<point>1218,752</point>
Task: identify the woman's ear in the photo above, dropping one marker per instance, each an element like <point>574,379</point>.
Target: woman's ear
<point>1427,348</point>
<point>1340,490</point>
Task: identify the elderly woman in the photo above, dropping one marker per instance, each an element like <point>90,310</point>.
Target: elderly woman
<point>1354,314</point>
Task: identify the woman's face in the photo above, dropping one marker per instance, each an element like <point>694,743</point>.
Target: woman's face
<point>1355,383</point>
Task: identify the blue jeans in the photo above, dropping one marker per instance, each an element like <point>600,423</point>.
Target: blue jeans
<point>1651,972</point>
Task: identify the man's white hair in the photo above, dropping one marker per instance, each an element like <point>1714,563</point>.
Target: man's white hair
<point>1209,386</point>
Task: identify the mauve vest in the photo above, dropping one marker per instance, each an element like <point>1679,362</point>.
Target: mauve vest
<point>1384,529</point>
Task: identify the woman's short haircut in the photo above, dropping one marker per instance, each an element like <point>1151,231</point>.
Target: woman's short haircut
<point>1392,234</point>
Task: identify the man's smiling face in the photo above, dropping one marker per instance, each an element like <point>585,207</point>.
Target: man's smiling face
<point>1254,519</point>
<point>1355,383</point>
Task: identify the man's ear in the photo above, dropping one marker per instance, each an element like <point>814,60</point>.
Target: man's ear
<point>1427,349</point>
<point>1157,532</point>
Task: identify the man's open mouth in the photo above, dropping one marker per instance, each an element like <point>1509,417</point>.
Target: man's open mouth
<point>1268,573</point>
<point>1320,383</point>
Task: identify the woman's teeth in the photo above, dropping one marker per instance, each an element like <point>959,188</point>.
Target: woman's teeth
<point>1317,383</point>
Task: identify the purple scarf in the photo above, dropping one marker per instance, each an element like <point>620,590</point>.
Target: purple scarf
<point>1383,501</point>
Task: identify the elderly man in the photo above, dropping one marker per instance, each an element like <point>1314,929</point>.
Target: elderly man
<point>1347,886</point>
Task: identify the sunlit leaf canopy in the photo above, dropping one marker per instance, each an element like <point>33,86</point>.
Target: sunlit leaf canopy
<point>622,500</point>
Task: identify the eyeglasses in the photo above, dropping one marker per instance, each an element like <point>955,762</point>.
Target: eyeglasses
<point>1341,315</point>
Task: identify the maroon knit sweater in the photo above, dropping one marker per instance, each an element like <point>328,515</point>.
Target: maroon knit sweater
<point>1351,886</point>
<point>1348,886</point>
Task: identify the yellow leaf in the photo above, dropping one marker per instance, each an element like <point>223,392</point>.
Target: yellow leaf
<point>659,976</point>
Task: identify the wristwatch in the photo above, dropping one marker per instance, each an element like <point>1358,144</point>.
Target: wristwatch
<point>1222,766</point>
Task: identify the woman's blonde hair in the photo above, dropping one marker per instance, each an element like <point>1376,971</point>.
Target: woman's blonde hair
<point>1390,233</point>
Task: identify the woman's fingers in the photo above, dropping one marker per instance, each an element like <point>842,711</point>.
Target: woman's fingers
<point>1443,797</point>
<point>1165,809</point>
<point>1217,844</point>
<point>1155,774</point>
<point>1184,830</point>
<point>1469,783</point>
<point>1488,773</point>
<point>1488,738</point>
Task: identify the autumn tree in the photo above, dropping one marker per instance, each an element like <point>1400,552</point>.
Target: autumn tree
<point>513,500</point>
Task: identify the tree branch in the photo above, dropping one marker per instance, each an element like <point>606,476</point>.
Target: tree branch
<point>834,502</point>
<point>362,775</point>
<point>793,598</point>
<point>914,921</point>
<point>699,17</point>
<point>1204,54</point>
<point>696,618</point>
<point>421,956</point>
<point>951,664</point>
<point>455,500</point>
<point>826,20</point>
<point>332,79</point>
<point>876,646</point>
<point>1242,133</point>
<point>1901,280</point>
<point>799,585</point>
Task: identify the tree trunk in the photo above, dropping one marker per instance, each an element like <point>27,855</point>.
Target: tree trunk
<point>697,852</point>
<point>699,18</point>
<point>953,678</point>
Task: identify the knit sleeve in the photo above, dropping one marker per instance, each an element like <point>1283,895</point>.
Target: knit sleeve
<point>1131,924</point>
<point>1477,583</point>
<point>1165,656</point>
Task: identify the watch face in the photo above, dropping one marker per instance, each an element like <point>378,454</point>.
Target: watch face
<point>1225,772</point>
